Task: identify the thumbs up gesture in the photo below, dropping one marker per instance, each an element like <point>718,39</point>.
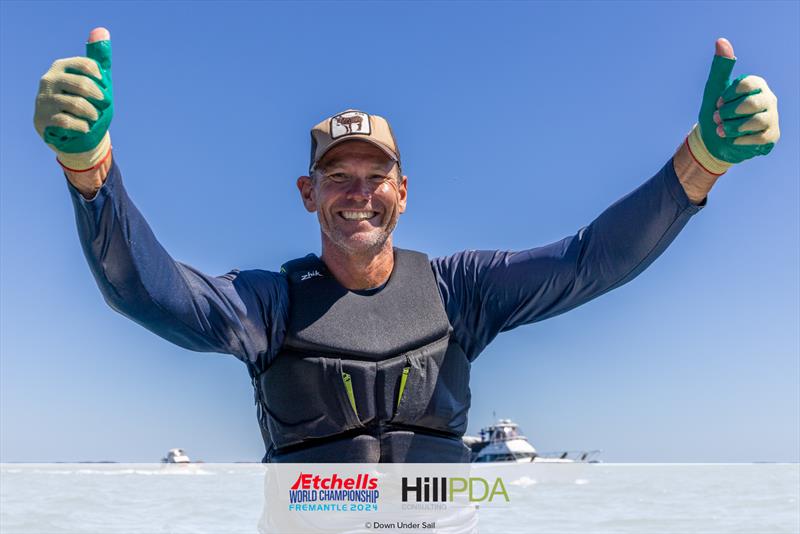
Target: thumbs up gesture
<point>738,120</point>
<point>75,105</point>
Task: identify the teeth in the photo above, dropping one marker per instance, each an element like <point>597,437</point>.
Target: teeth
<point>358,215</point>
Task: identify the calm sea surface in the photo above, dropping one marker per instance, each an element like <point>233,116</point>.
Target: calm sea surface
<point>587,498</point>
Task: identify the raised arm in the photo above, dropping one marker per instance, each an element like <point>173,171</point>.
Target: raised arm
<point>238,313</point>
<point>487,292</point>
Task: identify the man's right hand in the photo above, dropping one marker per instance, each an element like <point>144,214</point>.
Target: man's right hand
<point>74,108</point>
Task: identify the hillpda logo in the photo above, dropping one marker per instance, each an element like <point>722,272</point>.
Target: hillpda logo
<point>446,489</point>
<point>315,493</point>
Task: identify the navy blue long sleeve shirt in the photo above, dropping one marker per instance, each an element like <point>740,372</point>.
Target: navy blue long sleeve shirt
<point>245,313</point>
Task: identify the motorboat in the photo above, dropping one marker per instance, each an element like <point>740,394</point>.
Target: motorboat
<point>176,456</point>
<point>504,442</point>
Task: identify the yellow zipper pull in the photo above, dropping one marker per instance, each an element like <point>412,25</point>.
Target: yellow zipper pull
<point>403,379</point>
<point>348,386</point>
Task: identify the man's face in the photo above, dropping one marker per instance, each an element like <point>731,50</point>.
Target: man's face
<point>357,196</point>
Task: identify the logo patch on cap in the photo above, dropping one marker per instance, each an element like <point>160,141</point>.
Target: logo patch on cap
<point>350,122</point>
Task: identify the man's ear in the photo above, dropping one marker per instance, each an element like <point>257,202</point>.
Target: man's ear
<point>403,191</point>
<point>305,184</point>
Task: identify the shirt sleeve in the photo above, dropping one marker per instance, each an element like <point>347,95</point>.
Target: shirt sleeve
<point>240,313</point>
<point>488,292</point>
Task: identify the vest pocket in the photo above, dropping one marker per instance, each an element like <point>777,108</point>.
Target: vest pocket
<point>434,389</point>
<point>358,379</point>
<point>307,398</point>
<point>412,393</point>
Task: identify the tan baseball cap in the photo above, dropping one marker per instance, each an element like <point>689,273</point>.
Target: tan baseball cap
<point>352,125</point>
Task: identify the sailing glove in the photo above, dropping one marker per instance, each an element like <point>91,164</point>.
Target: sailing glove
<point>738,120</point>
<point>75,105</point>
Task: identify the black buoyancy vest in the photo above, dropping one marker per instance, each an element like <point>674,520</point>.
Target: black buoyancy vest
<point>365,377</point>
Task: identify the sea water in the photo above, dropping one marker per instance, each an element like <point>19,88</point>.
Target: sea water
<point>578,498</point>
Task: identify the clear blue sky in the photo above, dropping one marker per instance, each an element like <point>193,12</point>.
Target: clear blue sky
<point>518,124</point>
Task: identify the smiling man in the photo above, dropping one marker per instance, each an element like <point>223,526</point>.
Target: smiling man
<point>358,191</point>
<point>363,354</point>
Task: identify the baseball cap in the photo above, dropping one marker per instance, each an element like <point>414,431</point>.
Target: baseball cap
<point>352,125</point>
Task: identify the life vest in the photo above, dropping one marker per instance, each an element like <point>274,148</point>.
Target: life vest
<point>365,377</point>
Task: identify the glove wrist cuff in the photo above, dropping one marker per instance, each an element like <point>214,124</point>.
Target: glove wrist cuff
<point>86,161</point>
<point>702,156</point>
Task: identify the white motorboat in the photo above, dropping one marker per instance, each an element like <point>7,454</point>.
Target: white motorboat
<point>176,456</point>
<point>504,442</point>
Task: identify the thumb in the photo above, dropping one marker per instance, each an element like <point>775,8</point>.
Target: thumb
<point>718,76</point>
<point>724,48</point>
<point>98,47</point>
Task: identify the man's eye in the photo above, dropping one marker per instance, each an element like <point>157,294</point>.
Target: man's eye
<point>379,178</point>
<point>337,177</point>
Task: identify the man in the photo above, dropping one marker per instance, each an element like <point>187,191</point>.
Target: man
<point>363,354</point>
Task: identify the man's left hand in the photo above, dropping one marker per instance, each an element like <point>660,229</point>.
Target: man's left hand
<point>738,120</point>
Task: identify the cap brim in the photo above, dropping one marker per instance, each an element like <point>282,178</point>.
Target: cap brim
<point>388,151</point>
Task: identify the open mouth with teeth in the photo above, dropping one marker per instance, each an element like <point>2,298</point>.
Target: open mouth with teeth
<point>360,215</point>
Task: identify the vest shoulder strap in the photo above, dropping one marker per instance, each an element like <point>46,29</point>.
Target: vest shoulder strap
<point>301,269</point>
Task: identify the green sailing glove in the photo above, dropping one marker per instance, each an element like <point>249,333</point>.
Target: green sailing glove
<point>738,120</point>
<point>75,105</point>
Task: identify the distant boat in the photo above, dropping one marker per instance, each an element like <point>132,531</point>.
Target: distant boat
<point>176,456</point>
<point>503,442</point>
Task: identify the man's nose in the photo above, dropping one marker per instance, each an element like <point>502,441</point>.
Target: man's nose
<point>359,188</point>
